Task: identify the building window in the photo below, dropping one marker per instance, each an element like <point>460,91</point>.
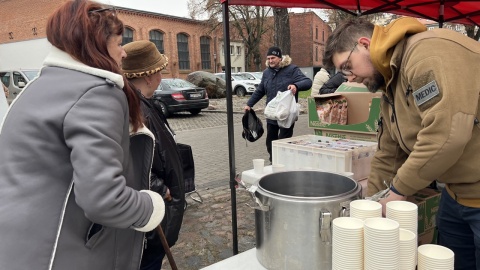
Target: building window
<point>205,52</point>
<point>233,70</point>
<point>316,53</point>
<point>157,38</point>
<point>239,50</point>
<point>183,53</point>
<point>232,50</point>
<point>316,33</point>
<point>127,36</point>
<point>323,35</point>
<point>239,69</point>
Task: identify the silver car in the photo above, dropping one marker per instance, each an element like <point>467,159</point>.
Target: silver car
<point>15,80</point>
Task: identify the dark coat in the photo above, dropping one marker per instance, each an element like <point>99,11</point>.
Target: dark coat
<point>274,81</point>
<point>167,172</point>
<point>332,84</point>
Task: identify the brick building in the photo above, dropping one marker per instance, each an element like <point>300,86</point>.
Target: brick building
<point>186,42</point>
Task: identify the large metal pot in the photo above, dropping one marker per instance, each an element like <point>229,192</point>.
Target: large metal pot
<point>293,217</point>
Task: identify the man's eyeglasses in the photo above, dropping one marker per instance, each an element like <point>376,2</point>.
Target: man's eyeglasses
<point>114,11</point>
<point>346,68</point>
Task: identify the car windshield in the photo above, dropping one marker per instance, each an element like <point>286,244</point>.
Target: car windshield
<point>178,83</point>
<point>245,76</point>
<point>258,75</point>
<point>31,73</point>
<point>239,77</point>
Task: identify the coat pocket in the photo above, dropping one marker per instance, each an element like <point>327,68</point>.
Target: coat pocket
<point>94,233</point>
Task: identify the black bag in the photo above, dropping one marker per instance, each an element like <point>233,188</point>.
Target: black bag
<point>188,166</point>
<point>252,126</point>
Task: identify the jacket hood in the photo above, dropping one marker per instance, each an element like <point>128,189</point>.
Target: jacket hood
<point>286,60</point>
<point>59,58</point>
<point>385,38</point>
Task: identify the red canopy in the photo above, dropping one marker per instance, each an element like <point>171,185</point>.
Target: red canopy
<point>465,12</point>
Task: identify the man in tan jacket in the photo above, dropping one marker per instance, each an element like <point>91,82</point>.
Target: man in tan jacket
<point>429,128</point>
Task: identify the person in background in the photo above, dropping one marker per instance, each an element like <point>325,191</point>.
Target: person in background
<point>319,79</point>
<point>429,127</point>
<point>279,76</point>
<point>71,195</point>
<point>332,84</point>
<point>142,67</point>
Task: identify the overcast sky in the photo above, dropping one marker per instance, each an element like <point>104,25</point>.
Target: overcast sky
<point>170,7</point>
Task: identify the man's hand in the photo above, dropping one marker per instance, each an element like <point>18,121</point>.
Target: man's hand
<point>292,88</point>
<point>246,108</point>
<point>391,196</point>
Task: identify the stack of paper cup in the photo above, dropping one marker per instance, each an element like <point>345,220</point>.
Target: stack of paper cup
<point>364,209</point>
<point>408,250</point>
<point>435,257</point>
<point>405,213</point>
<point>347,244</point>
<point>381,244</point>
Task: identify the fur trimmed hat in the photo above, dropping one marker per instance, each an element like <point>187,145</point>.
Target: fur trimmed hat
<point>275,51</point>
<point>143,59</point>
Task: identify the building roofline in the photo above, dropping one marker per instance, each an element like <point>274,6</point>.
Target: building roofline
<point>155,14</point>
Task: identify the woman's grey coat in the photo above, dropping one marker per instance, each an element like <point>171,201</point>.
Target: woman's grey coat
<point>68,192</point>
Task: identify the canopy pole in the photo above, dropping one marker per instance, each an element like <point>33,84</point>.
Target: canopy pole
<point>441,13</point>
<point>231,141</point>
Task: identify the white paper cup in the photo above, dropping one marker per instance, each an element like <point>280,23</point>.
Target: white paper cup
<point>278,167</point>
<point>258,165</point>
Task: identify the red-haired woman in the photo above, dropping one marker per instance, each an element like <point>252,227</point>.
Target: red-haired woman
<point>69,179</point>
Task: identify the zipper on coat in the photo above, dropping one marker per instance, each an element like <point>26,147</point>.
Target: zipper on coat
<point>379,131</point>
<point>394,119</point>
<point>409,90</point>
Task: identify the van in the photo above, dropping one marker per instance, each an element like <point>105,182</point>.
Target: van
<point>15,80</point>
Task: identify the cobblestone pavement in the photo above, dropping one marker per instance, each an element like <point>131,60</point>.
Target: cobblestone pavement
<point>206,234</point>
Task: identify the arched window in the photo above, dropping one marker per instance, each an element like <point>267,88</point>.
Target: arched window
<point>205,52</point>
<point>157,38</point>
<point>127,35</point>
<point>183,52</point>
<point>316,33</point>
<point>316,53</point>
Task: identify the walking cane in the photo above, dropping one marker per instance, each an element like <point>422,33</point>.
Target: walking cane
<point>166,248</point>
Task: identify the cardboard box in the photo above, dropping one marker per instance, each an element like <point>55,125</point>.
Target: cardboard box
<point>362,116</point>
<point>370,137</point>
<point>429,236</point>
<point>427,200</point>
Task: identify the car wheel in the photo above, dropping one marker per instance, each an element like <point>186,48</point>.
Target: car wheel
<point>241,92</point>
<point>163,107</point>
<point>195,111</point>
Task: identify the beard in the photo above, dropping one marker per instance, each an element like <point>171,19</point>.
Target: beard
<point>376,83</point>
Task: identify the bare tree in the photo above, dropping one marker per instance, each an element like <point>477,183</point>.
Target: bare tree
<point>281,27</point>
<point>336,17</point>
<point>247,23</point>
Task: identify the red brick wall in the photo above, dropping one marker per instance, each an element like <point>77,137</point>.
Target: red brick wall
<point>304,41</point>
<point>21,21</point>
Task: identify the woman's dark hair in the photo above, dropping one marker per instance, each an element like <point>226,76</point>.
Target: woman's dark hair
<point>82,29</point>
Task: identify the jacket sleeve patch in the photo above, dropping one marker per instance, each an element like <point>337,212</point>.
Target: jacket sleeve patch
<point>427,93</point>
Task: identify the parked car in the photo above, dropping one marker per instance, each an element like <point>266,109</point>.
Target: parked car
<point>176,95</point>
<point>241,85</point>
<point>15,80</point>
<point>252,75</point>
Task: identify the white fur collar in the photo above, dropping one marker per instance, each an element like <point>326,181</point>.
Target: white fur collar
<point>59,58</point>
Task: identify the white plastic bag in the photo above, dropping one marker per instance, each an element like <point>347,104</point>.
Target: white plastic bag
<point>279,107</point>
<point>292,117</point>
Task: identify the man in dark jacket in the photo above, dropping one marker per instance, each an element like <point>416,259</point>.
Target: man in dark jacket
<point>142,67</point>
<point>279,76</point>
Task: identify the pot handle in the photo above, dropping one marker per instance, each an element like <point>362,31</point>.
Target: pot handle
<point>325,226</point>
<point>259,205</point>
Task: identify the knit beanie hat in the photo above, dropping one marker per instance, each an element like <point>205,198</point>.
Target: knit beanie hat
<point>275,51</point>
